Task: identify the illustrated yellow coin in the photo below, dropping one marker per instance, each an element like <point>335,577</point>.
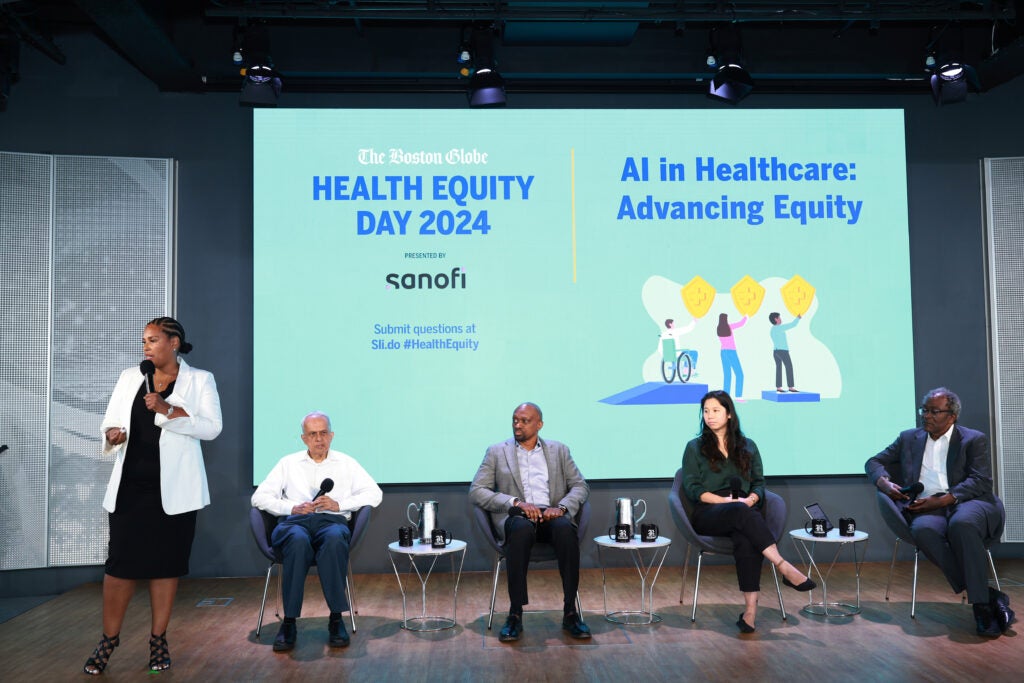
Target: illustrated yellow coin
<point>747,295</point>
<point>797,294</point>
<point>698,296</point>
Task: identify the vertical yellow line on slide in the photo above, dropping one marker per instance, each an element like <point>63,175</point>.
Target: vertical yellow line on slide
<point>572,157</point>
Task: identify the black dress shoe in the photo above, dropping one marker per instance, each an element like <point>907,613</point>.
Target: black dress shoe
<point>512,629</point>
<point>985,620</point>
<point>575,626</point>
<point>337,635</point>
<point>1000,603</point>
<point>285,639</point>
<point>743,625</point>
<point>807,585</point>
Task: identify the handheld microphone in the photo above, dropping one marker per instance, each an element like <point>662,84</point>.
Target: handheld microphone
<point>147,368</point>
<point>913,490</point>
<point>736,486</point>
<point>325,487</point>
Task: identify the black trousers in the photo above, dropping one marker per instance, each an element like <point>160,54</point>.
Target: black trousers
<point>520,536</point>
<point>749,533</point>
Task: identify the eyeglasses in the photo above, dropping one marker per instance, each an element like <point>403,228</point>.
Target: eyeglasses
<point>932,411</point>
<point>317,435</point>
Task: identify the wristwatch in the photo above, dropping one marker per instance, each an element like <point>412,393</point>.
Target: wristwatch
<point>170,411</point>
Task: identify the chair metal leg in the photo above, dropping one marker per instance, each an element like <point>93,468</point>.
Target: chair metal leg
<point>263,604</point>
<point>494,590</point>
<point>992,566</point>
<point>579,605</point>
<point>686,569</point>
<point>778,590</point>
<point>351,602</point>
<point>913,590</point>
<point>892,567</point>
<point>696,587</point>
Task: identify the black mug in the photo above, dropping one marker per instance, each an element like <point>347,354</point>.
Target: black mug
<point>817,527</point>
<point>439,538</point>
<point>620,533</point>
<point>405,536</point>
<point>648,533</point>
<point>847,526</point>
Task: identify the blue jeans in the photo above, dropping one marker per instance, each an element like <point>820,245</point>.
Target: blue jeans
<point>730,364</point>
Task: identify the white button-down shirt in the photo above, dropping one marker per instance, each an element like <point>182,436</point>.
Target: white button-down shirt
<point>933,467</point>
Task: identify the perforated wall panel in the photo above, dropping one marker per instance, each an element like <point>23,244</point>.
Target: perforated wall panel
<point>24,355</point>
<point>1004,190</point>
<point>86,242</point>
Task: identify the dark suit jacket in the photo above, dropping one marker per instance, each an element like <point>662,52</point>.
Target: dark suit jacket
<point>498,481</point>
<point>968,467</point>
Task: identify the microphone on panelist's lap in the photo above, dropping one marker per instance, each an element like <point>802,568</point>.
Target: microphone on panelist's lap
<point>736,486</point>
<point>913,490</point>
<point>326,486</point>
<point>147,368</point>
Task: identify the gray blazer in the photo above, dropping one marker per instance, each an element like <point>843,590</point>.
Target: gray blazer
<point>498,481</point>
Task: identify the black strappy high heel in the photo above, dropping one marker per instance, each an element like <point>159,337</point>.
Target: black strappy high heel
<point>95,665</point>
<point>159,655</point>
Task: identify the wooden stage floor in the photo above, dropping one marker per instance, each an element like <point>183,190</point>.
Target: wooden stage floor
<point>212,634</point>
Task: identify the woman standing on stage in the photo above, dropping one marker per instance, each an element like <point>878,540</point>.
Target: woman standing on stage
<point>157,485</point>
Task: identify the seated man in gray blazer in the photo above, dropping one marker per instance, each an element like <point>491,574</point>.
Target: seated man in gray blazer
<point>533,490</point>
<point>956,510</point>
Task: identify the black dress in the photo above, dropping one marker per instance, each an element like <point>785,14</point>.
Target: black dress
<point>146,542</point>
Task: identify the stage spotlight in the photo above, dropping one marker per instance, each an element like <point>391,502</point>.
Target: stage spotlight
<point>261,83</point>
<point>951,81</point>
<point>486,86</point>
<point>731,84</point>
<point>261,87</point>
<point>486,89</point>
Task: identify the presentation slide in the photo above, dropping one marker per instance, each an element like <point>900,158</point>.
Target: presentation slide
<point>419,273</point>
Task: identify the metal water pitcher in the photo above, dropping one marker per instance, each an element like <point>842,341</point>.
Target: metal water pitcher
<point>624,512</point>
<point>426,518</point>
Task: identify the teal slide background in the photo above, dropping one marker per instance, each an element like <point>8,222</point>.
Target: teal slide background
<point>555,290</point>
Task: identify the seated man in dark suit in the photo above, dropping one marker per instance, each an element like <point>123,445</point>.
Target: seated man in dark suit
<point>533,490</point>
<point>956,509</point>
<point>312,526</point>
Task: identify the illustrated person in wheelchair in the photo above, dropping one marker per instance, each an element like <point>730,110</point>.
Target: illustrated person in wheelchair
<point>313,524</point>
<point>677,361</point>
<point>955,511</point>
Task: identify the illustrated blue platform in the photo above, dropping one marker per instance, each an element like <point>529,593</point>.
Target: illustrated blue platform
<point>798,397</point>
<point>659,393</point>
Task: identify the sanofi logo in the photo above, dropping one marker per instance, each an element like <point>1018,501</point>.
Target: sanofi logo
<point>456,279</point>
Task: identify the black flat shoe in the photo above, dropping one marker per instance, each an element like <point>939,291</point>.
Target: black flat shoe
<point>575,627</point>
<point>807,585</point>
<point>286,635</point>
<point>744,626</point>
<point>985,620</point>
<point>95,665</point>
<point>512,629</point>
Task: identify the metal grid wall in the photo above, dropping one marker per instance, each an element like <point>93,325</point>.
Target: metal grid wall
<point>107,272</point>
<point>1004,200</point>
<point>24,352</point>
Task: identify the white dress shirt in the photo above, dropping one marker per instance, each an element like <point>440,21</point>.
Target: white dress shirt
<point>933,467</point>
<point>296,478</point>
<point>533,471</point>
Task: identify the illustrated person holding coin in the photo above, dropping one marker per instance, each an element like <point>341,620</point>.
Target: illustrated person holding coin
<point>314,527</point>
<point>533,491</point>
<point>780,350</point>
<point>716,463</point>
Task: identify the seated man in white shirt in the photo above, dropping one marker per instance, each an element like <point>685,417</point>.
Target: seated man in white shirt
<point>956,509</point>
<point>314,527</point>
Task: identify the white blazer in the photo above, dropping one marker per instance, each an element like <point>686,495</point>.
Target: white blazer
<point>183,484</point>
